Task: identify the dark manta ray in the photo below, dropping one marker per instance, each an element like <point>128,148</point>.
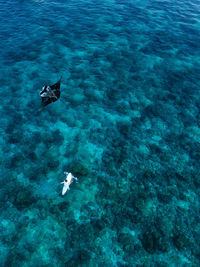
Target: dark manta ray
<point>50,93</point>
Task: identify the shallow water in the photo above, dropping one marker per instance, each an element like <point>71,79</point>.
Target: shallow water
<point>127,125</point>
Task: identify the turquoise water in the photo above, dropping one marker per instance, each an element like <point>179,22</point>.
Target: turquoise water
<point>127,125</point>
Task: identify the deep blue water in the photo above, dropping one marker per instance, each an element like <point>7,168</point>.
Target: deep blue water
<point>127,125</point>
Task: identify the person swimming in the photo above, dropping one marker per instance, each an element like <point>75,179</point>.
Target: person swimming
<point>66,183</point>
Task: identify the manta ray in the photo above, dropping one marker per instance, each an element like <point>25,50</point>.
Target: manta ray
<point>50,93</point>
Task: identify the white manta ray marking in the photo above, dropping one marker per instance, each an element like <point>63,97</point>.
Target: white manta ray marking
<point>67,182</point>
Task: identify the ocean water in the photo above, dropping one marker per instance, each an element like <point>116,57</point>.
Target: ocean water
<point>127,125</point>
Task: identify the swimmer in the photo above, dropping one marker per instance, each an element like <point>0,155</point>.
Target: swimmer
<point>67,182</point>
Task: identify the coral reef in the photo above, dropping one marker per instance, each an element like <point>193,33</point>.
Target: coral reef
<point>127,125</point>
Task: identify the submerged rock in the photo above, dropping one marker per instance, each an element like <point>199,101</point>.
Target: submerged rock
<point>181,240</point>
<point>24,199</point>
<point>78,169</point>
